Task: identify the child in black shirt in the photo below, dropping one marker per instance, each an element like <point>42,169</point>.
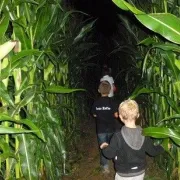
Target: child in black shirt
<point>104,110</point>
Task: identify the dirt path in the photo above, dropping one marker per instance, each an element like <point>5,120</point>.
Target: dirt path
<point>87,165</point>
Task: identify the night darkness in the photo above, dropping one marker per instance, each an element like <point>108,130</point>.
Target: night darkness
<point>107,27</point>
<point>107,30</point>
<point>105,11</point>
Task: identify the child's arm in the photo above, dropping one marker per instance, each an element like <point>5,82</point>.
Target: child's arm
<point>109,151</point>
<point>103,145</point>
<point>151,149</point>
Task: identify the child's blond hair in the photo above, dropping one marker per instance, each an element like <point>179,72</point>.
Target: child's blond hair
<point>129,110</point>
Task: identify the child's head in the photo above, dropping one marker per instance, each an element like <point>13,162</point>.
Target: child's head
<point>104,88</point>
<point>129,110</point>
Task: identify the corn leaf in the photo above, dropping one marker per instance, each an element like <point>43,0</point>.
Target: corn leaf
<point>29,123</point>
<point>10,130</point>
<point>139,91</point>
<point>147,42</point>
<point>5,95</point>
<point>27,157</point>
<point>6,48</point>
<point>19,2</point>
<point>6,151</point>
<point>87,28</point>
<point>169,58</point>
<point>167,47</point>
<point>22,36</point>
<point>27,98</point>
<point>170,101</point>
<point>25,53</point>
<point>4,22</point>
<point>126,6</point>
<point>5,72</point>
<point>175,116</point>
<point>166,25</point>
<point>61,89</point>
<point>162,132</point>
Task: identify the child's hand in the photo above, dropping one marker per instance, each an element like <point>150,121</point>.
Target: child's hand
<point>103,145</point>
<point>116,115</point>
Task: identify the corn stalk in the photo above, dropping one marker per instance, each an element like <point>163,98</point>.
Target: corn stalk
<point>160,74</point>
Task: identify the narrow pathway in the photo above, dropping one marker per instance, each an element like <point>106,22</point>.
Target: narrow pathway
<point>87,165</point>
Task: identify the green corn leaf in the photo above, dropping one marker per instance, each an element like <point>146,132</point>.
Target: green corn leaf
<point>6,48</point>
<point>19,2</point>
<point>126,6</point>
<point>162,132</point>
<point>175,116</point>
<point>6,151</point>
<point>139,91</point>
<point>170,101</point>
<point>166,25</point>
<point>4,95</point>
<point>5,72</point>
<point>170,58</point>
<point>10,130</point>
<point>21,21</point>
<point>167,47</point>
<point>29,123</point>
<point>61,89</point>
<point>87,28</point>
<point>4,22</point>
<point>28,97</point>
<point>22,36</point>
<point>25,53</point>
<point>3,4</point>
<point>27,153</point>
<point>147,42</point>
<point>165,144</point>
<point>177,63</point>
<point>42,21</point>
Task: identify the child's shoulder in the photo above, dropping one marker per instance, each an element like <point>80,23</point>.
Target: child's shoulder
<point>118,133</point>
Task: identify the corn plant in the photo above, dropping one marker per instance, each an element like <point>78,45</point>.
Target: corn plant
<point>34,87</point>
<point>160,77</point>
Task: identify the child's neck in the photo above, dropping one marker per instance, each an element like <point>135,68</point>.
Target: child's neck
<point>130,124</point>
<point>104,95</point>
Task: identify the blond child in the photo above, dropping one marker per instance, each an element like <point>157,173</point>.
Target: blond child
<point>128,147</point>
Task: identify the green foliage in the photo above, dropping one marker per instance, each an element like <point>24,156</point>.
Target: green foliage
<point>37,108</point>
<point>160,74</point>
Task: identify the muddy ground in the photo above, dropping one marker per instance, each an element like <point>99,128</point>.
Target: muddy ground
<point>84,159</point>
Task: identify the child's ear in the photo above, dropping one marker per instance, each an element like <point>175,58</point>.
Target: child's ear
<point>138,115</point>
<point>120,117</point>
<point>98,91</point>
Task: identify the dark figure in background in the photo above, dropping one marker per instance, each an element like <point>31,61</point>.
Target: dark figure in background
<point>105,111</point>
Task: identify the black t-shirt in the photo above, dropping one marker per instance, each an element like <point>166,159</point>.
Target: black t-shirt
<point>105,108</point>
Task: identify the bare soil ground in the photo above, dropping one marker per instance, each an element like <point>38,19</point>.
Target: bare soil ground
<point>86,165</point>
